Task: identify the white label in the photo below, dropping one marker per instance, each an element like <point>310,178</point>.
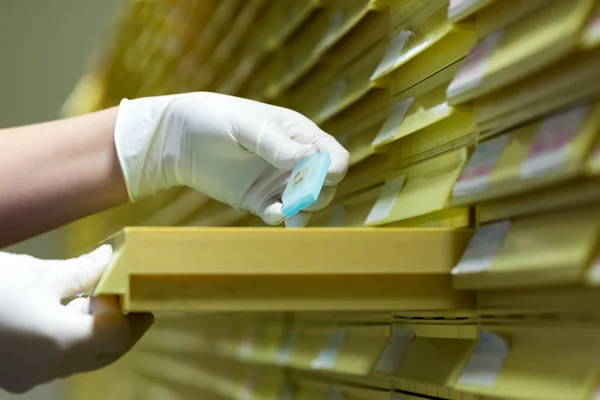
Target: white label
<point>392,55</point>
<point>476,174</point>
<point>286,351</point>
<point>394,120</point>
<point>327,357</point>
<point>472,72</point>
<point>397,346</point>
<point>335,25</point>
<point>457,7</point>
<point>486,361</point>
<point>596,394</point>
<point>338,215</point>
<point>386,201</point>
<point>482,249</point>
<point>551,145</point>
<point>592,31</point>
<point>595,268</point>
<point>247,346</point>
<point>336,96</point>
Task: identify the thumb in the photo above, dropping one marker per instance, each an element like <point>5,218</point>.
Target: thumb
<point>77,275</point>
<point>280,150</point>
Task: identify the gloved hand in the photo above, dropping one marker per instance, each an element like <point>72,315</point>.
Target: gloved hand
<point>40,339</point>
<point>237,151</point>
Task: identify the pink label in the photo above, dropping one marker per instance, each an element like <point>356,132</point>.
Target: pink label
<point>483,248</point>
<point>472,72</point>
<point>596,395</point>
<point>550,148</point>
<point>592,32</point>
<point>595,274</point>
<point>475,175</point>
<point>596,153</point>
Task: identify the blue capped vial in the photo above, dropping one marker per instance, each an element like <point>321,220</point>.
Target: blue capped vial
<point>305,184</point>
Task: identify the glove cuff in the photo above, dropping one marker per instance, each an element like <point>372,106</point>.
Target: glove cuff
<point>136,128</point>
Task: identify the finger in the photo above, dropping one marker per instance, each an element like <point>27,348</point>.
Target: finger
<point>77,275</point>
<point>340,159</point>
<point>325,197</point>
<point>79,305</point>
<point>304,130</point>
<point>270,212</point>
<point>277,148</point>
<point>299,220</point>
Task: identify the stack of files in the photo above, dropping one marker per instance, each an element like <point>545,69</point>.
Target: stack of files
<point>311,93</point>
<point>531,157</point>
<point>167,48</point>
<point>225,51</point>
<point>568,81</point>
<point>295,14</point>
<point>536,203</point>
<point>356,127</point>
<point>463,9</point>
<point>354,58</point>
<point>422,148</point>
<point>206,42</point>
<point>351,60</point>
<point>411,193</point>
<point>521,50</point>
<point>265,82</point>
<point>540,250</point>
<point>323,31</point>
<point>254,50</point>
<point>421,46</point>
<point>300,52</point>
<point>269,355</point>
<point>261,63</point>
<point>346,15</point>
<point>490,15</point>
<point>421,121</point>
<point>413,155</point>
<point>536,361</point>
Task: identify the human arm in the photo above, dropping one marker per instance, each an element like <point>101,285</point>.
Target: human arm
<point>56,172</point>
<point>235,150</point>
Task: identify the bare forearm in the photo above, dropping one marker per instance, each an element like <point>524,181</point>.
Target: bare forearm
<point>56,172</point>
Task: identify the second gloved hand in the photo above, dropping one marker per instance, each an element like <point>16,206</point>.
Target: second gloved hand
<point>42,340</point>
<point>234,150</point>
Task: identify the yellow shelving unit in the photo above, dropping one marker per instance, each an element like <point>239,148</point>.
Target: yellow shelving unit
<point>459,258</point>
<point>237,269</point>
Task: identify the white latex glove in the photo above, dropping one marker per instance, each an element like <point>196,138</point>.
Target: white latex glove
<point>237,151</point>
<point>41,339</point>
